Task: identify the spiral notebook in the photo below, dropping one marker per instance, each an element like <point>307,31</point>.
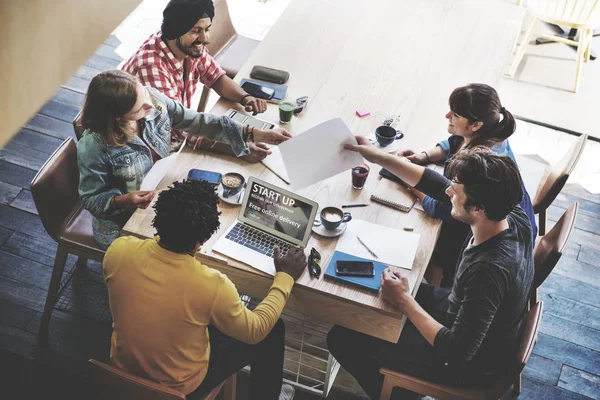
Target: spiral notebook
<point>393,194</point>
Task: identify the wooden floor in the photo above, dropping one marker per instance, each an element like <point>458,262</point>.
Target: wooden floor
<point>565,363</point>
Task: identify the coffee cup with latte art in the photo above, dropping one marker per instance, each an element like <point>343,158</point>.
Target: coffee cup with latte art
<point>332,217</point>
<point>232,183</point>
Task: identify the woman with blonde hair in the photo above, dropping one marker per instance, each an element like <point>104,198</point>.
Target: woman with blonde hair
<point>127,128</point>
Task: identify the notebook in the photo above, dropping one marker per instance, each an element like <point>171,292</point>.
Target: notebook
<point>371,284</point>
<point>394,195</point>
<point>280,90</point>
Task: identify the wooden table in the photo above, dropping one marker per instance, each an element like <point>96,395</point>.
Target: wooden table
<point>361,54</point>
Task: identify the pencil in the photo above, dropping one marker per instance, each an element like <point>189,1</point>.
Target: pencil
<point>354,205</point>
<point>366,247</point>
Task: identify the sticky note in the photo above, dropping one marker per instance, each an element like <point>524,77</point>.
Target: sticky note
<point>361,112</point>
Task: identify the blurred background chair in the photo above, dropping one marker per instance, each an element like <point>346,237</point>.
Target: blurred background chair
<point>112,383</point>
<point>583,15</point>
<point>229,49</point>
<point>55,193</point>
<point>554,180</point>
<point>492,391</point>
<point>550,247</point>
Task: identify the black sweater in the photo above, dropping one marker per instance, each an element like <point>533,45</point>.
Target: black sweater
<point>489,295</point>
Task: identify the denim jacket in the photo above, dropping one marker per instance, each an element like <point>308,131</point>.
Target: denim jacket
<point>438,210</point>
<point>106,172</point>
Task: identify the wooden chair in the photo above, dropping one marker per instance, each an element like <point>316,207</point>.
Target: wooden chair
<point>77,127</point>
<point>55,193</point>
<point>583,15</point>
<point>550,248</point>
<point>229,49</point>
<point>554,180</point>
<point>112,383</point>
<point>491,391</point>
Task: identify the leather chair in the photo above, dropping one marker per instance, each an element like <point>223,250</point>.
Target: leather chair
<point>54,190</point>
<point>111,383</point>
<point>491,391</point>
<point>549,248</point>
<point>229,49</point>
<point>554,180</point>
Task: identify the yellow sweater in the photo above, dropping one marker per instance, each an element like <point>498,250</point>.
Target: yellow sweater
<point>162,303</point>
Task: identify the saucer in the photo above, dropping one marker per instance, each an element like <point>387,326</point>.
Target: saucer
<point>390,148</point>
<point>320,230</point>
<point>233,200</point>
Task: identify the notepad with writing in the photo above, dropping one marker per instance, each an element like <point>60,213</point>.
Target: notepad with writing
<point>394,195</point>
<point>371,284</point>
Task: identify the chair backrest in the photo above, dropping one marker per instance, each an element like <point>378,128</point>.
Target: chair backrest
<point>55,189</point>
<point>529,335</point>
<point>579,12</point>
<point>111,383</point>
<point>551,246</point>
<point>77,127</point>
<point>222,30</point>
<point>556,176</point>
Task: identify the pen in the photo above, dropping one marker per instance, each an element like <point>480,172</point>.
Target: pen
<point>354,205</point>
<point>366,247</point>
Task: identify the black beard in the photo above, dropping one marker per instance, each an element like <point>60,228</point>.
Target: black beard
<point>187,50</point>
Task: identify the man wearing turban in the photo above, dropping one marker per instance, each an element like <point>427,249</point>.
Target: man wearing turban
<point>175,59</point>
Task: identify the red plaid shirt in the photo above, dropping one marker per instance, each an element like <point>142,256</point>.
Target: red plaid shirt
<point>155,65</point>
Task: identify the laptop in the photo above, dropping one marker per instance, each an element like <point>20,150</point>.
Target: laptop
<point>269,215</point>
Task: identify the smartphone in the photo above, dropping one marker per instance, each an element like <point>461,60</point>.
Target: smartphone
<point>258,91</point>
<point>202,175</point>
<point>355,268</point>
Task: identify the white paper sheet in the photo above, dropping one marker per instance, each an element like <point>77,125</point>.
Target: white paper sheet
<point>392,246</point>
<point>159,170</point>
<point>318,153</point>
<point>275,163</point>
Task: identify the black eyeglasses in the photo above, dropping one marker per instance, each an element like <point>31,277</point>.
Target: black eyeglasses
<point>301,103</point>
<point>314,269</point>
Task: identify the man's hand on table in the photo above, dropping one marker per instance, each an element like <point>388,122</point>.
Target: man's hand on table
<point>258,152</point>
<point>254,105</point>
<point>395,288</point>
<point>293,263</point>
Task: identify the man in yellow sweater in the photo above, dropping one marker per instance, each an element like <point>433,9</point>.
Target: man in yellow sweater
<point>181,323</point>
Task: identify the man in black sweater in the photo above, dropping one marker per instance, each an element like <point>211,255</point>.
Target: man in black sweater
<point>469,334</point>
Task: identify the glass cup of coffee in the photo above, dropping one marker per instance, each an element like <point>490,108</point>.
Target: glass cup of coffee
<point>286,110</point>
<point>332,217</point>
<point>386,135</point>
<point>359,176</point>
<point>232,183</point>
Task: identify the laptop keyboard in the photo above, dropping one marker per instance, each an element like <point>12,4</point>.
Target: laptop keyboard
<point>256,240</point>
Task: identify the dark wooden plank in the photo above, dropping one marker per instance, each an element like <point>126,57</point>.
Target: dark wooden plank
<point>56,109</point>
<point>15,315</point>
<point>5,234</point>
<point>578,270</point>
<point>24,270</point>
<point>542,369</point>
<point>29,149</point>
<point>534,390</point>
<point>80,333</point>
<point>580,382</point>
<point>41,250</point>
<point>67,96</point>
<point>572,289</point>
<point>24,201</point>
<point>568,353</point>
<point>76,84</point>
<point>108,52</point>
<point>570,310</point>
<point>22,294</point>
<point>577,191</point>
<point>8,193</point>
<point>112,41</point>
<point>574,333</point>
<point>15,174</point>
<point>101,63</point>
<point>584,222</point>
<point>20,221</point>
<point>50,126</point>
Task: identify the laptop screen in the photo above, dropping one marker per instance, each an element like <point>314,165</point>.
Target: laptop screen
<point>278,211</point>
